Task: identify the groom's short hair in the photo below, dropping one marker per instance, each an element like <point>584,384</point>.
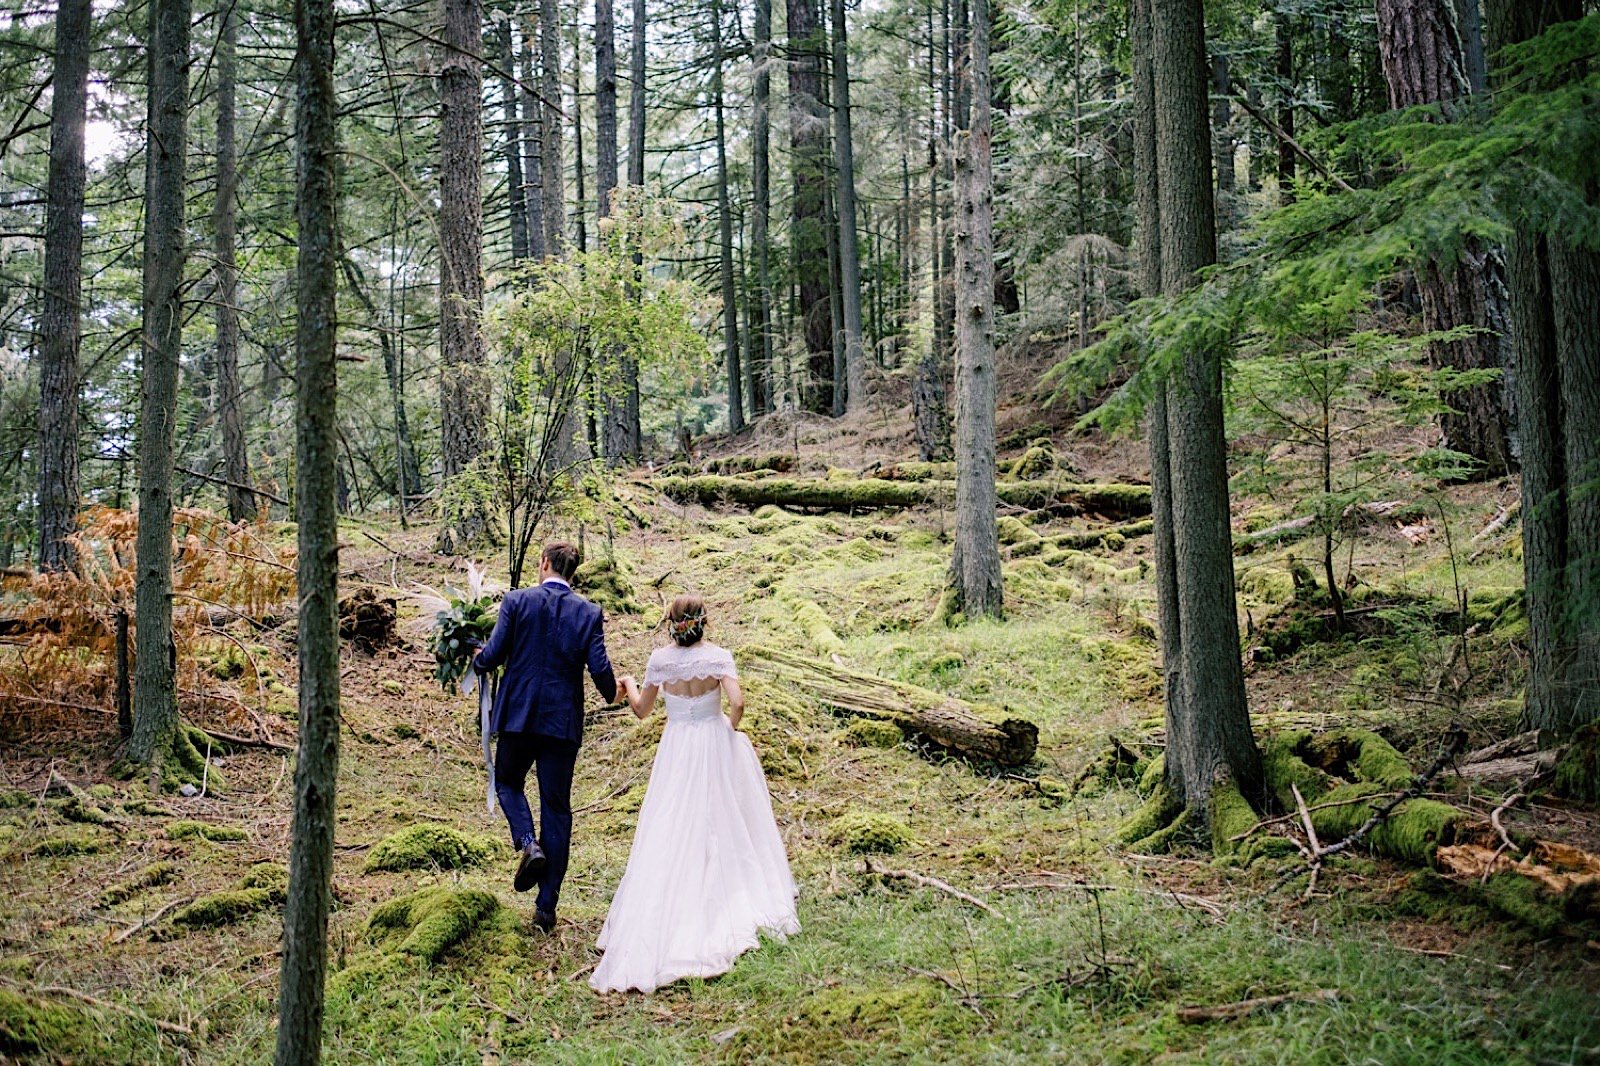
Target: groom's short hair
<point>563,558</point>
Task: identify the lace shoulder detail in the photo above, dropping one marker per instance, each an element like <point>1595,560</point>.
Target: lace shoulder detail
<point>695,662</point>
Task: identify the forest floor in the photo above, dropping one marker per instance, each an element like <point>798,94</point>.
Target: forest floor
<point>1084,952</point>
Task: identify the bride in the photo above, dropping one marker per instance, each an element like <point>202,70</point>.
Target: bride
<point>707,872</point>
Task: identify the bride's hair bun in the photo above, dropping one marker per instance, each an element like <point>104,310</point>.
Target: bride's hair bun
<point>686,619</point>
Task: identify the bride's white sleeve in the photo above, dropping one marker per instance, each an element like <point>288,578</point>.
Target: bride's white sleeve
<point>694,663</point>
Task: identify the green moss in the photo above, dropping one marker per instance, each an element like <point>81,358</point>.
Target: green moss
<point>184,829</point>
<point>84,841</point>
<point>226,908</point>
<point>855,1011</point>
<point>1154,775</point>
<point>1496,608</point>
<point>29,1025</point>
<point>869,833</point>
<point>1015,531</point>
<point>1150,817</point>
<point>12,798</point>
<point>430,922</point>
<point>1578,773</point>
<point>1230,816</point>
<point>157,873</point>
<point>872,733</point>
<point>813,621</point>
<point>392,687</point>
<point>101,791</point>
<point>429,845</point>
<point>1038,461</point>
<point>270,875</point>
<point>605,580</point>
<point>1522,899</point>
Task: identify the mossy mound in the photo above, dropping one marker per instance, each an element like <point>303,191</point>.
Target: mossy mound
<point>869,833</point>
<point>185,829</point>
<point>79,841</point>
<point>872,733</point>
<point>157,873</point>
<point>30,1025</point>
<point>226,908</point>
<point>854,1011</point>
<point>1038,461</point>
<point>430,922</point>
<point>605,580</point>
<point>814,623</point>
<point>429,846</point>
<point>268,875</point>
<point>12,798</point>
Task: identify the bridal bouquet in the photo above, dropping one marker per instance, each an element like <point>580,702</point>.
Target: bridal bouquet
<point>462,622</point>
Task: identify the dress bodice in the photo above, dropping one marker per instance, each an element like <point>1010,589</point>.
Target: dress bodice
<point>704,708</point>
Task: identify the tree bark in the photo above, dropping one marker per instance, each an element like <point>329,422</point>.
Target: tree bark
<point>975,565</point>
<point>552,172</point>
<point>1283,66</point>
<point>808,238</point>
<point>305,917</point>
<point>61,308</point>
<point>730,303</point>
<point>1208,738</point>
<point>855,385</point>
<point>532,146</point>
<point>229,395</point>
<point>155,685</point>
<point>616,440</point>
<point>516,189</point>
<point>464,388</point>
<point>1148,254</point>
<point>1423,64</point>
<point>761,195</point>
<point>636,101</point>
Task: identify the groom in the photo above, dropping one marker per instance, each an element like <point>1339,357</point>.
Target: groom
<point>545,637</point>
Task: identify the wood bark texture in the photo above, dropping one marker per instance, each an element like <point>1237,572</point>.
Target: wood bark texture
<point>855,360</point>
<point>808,238</point>
<point>225,223</point>
<point>310,894</point>
<point>61,307</point>
<point>1209,734</point>
<point>975,564</point>
<point>154,687</point>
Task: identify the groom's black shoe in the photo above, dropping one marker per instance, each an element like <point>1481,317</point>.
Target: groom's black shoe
<point>544,921</point>
<point>529,868</point>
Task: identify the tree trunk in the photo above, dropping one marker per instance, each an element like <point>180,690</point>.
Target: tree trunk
<point>1148,254</point>
<point>532,148</point>
<point>849,250</point>
<point>636,101</point>
<point>61,307</point>
<point>730,303</point>
<point>305,916</point>
<point>516,190</point>
<point>761,194</point>
<point>229,398</point>
<point>808,239</point>
<point>1423,64</point>
<point>1222,135</point>
<point>1208,736</point>
<point>975,565</point>
<point>616,442</point>
<point>552,172</point>
<point>950,723</point>
<point>464,387</point>
<point>1283,39</point>
<point>155,683</point>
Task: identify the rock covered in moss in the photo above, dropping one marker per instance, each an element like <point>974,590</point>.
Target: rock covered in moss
<point>605,580</point>
<point>186,829</point>
<point>1578,771</point>
<point>430,922</point>
<point>428,846</point>
<point>869,833</point>
<point>226,908</point>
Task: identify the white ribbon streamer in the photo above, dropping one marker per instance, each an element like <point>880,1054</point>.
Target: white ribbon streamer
<point>470,680</point>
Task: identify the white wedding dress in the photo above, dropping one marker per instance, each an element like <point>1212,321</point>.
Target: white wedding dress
<point>708,872</point>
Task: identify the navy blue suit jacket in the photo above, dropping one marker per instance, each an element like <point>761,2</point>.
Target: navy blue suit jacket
<point>546,637</point>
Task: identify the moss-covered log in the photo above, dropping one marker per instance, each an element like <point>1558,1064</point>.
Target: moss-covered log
<point>866,494</point>
<point>974,731</point>
<point>1112,537</point>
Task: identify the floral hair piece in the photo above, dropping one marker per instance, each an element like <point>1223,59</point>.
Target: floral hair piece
<point>688,629</point>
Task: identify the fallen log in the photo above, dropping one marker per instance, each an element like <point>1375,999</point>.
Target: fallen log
<point>1227,1012</point>
<point>949,723</point>
<point>1109,499</point>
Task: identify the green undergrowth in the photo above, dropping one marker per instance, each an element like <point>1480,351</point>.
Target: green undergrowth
<point>37,1027</point>
<point>429,845</point>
